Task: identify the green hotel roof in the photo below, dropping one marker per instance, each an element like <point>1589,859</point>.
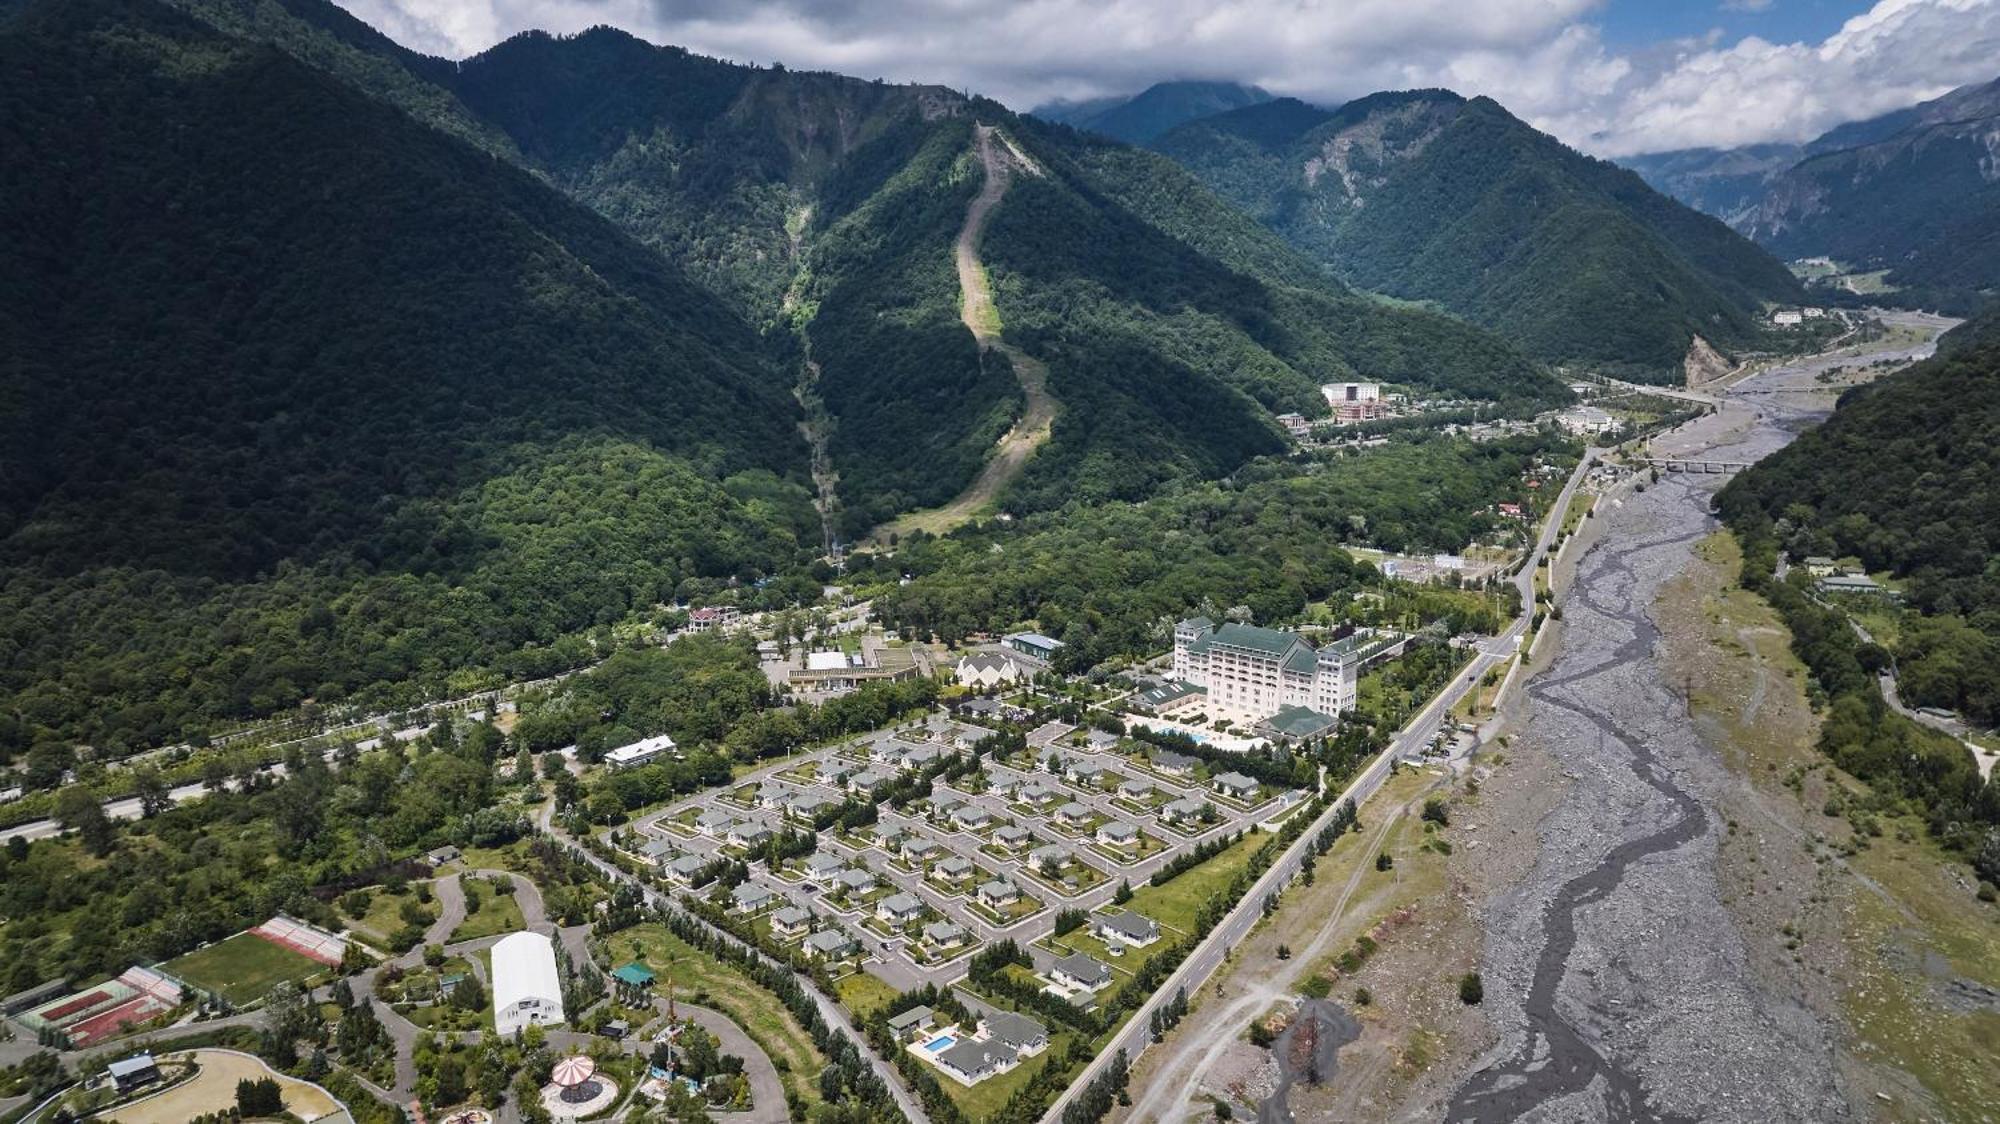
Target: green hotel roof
<point>1256,639</point>
<point>1299,722</point>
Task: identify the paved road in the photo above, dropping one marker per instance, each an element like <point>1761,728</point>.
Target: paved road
<point>1409,742</point>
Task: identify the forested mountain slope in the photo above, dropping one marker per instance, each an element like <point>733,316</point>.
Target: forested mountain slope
<point>1728,183</point>
<point>1426,195</point>
<point>1902,477</point>
<point>294,383</point>
<point>826,207</point>
<point>1922,201</point>
<point>327,391</point>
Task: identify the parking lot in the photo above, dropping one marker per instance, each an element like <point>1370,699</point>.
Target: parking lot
<point>992,855</point>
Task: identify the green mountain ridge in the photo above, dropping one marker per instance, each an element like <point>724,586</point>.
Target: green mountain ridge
<point>1901,477</point>
<point>280,348</point>
<point>350,375</point>
<point>1425,195</point>
<point>1141,117</point>
<point>1921,201</point>
<point>824,207</point>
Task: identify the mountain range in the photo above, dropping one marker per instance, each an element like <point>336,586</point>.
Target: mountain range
<point>1138,118</point>
<point>344,371</point>
<point>1915,193</point>
<point>1429,196</point>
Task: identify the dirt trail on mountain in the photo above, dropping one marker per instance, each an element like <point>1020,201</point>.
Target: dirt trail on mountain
<point>1001,162</point>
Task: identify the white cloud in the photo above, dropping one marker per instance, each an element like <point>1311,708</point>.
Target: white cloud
<point>1543,59</point>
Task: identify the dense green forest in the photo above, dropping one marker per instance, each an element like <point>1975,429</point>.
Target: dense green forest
<point>110,896</point>
<point>489,585</point>
<point>1902,477</point>
<point>367,410</point>
<point>1428,196</point>
<point>1158,353</point>
<point>1911,767</point>
<point>1109,580</point>
<point>382,415</point>
<point>826,205</point>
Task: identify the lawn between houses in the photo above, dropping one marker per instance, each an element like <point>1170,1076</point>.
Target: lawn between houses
<point>701,979</point>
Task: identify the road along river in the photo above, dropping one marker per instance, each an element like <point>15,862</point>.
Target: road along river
<point>1616,977</point>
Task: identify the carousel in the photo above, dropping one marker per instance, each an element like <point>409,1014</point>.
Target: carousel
<point>576,1089</point>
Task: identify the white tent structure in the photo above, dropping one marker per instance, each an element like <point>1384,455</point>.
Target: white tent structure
<point>525,986</point>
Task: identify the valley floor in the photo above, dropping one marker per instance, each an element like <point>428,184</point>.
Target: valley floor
<point>1668,922</point>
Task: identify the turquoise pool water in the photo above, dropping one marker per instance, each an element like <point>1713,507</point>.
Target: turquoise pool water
<point>940,1042</point>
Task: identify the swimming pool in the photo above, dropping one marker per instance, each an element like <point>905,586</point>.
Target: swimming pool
<point>939,1043</point>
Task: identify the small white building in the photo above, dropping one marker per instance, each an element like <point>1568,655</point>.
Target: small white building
<point>997,893</point>
<point>642,752</point>
<point>1336,393</point>
<point>1133,930</point>
<point>526,989</point>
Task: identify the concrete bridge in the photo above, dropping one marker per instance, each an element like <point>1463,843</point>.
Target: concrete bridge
<point>1687,465</point>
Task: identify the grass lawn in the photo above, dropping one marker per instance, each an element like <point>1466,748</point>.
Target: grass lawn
<point>446,1017</point>
<point>1174,904</point>
<point>498,914</point>
<point>383,918</point>
<point>701,978</point>
<point>984,1100</point>
<point>1579,506</point>
<point>862,994</point>
<point>242,969</point>
<point>511,857</point>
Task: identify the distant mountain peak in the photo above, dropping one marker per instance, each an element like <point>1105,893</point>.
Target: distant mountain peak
<point>1141,117</point>
<point>1429,195</point>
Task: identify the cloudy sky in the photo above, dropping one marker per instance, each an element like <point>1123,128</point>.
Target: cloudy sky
<point>1613,77</point>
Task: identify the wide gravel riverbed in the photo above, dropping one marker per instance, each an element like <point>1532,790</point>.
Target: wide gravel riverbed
<point>1615,975</point>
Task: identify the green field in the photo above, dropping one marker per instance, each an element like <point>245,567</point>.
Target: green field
<point>383,919</point>
<point>498,913</point>
<point>1175,904</point>
<point>862,993</point>
<point>242,969</point>
<point>985,1100</point>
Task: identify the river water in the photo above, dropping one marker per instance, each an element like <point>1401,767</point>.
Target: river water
<point>1617,978</point>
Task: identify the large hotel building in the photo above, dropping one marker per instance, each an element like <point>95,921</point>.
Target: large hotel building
<point>1251,673</point>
